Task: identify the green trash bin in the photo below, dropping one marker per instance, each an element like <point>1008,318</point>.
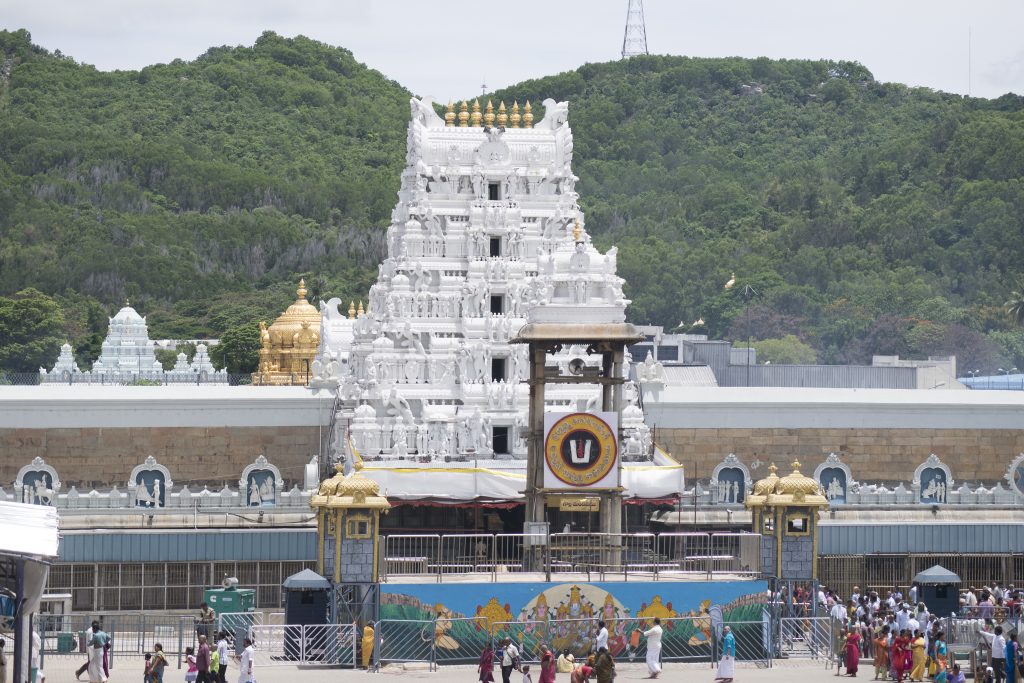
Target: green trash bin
<point>66,642</point>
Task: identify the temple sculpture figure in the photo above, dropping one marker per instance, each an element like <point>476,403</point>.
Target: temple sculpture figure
<point>487,235</point>
<point>289,346</point>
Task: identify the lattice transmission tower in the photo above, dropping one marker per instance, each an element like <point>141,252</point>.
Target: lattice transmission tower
<point>634,42</point>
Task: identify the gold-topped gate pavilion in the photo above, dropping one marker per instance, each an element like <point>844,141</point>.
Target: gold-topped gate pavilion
<point>785,512</point>
<point>348,510</point>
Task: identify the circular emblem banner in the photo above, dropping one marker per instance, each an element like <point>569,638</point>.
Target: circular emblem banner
<point>580,449</point>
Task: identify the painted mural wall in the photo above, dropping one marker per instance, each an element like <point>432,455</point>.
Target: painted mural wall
<point>455,620</point>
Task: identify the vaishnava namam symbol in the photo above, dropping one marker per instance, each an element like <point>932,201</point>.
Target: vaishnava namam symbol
<point>580,449</point>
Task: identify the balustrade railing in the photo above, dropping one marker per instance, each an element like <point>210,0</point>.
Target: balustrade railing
<point>597,556</point>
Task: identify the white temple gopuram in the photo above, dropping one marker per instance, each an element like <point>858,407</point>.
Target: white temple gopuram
<point>129,355</point>
<point>486,236</point>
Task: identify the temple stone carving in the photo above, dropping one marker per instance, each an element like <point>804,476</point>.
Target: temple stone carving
<point>289,346</point>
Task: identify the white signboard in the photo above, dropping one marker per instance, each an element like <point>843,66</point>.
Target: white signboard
<point>581,450</point>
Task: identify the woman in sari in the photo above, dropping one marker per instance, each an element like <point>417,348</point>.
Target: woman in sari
<point>368,638</point>
<point>917,658</point>
<point>485,667</point>
<point>940,658</point>
<point>1012,652</point>
<point>882,653</point>
<point>604,666</point>
<point>547,665</point>
<point>852,652</point>
<point>901,654</point>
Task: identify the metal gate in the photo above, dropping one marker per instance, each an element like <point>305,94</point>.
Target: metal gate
<point>804,638</point>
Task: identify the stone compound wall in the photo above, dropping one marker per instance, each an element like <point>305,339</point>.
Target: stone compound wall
<point>96,457</point>
<point>879,454</point>
<point>357,560</point>
<point>797,557</point>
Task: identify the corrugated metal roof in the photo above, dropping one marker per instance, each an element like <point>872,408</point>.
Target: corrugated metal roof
<point>822,376</point>
<point>855,539</point>
<point>690,376</point>
<point>192,545</point>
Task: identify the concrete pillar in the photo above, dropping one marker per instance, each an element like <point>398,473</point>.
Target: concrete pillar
<point>535,448</point>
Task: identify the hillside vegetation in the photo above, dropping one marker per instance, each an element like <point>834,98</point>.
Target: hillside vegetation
<point>859,217</point>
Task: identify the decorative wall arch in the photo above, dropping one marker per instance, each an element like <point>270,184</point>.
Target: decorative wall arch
<point>260,484</point>
<point>932,481</point>
<point>149,485</point>
<point>730,481</point>
<point>37,483</point>
<point>835,478</point>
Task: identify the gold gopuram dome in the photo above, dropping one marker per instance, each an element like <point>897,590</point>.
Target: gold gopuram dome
<point>289,345</point>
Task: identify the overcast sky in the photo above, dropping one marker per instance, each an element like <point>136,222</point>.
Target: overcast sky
<point>448,49</point>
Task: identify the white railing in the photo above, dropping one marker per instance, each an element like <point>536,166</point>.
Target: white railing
<point>308,645</point>
<point>595,555</point>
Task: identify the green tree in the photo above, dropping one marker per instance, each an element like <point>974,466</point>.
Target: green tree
<point>31,331</point>
<point>1015,305</point>
<point>238,350</point>
<point>788,350</point>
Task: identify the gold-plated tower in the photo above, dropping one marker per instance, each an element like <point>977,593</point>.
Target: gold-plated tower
<point>515,118</point>
<point>463,114</point>
<point>489,115</point>
<point>474,118</point>
<point>449,115</point>
<point>502,116</point>
<point>528,115</point>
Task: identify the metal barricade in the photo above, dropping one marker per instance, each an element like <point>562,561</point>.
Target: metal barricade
<point>735,554</point>
<point>464,554</point>
<point>753,641</point>
<point>460,641</point>
<point>405,640</point>
<point>309,645</point>
<point>804,638</point>
<point>508,554</point>
<point>238,626</point>
<point>682,554</point>
<point>409,554</point>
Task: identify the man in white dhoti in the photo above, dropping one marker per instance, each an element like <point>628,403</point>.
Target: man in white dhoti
<point>653,636</point>
<point>95,647</point>
<point>727,664</point>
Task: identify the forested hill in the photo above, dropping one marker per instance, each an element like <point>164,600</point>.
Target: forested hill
<point>859,217</point>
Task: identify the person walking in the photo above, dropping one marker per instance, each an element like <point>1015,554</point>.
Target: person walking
<point>852,652</point>
<point>565,662</point>
<point>653,636</point>
<point>85,667</point>
<point>917,658</point>
<point>245,663</point>
<point>203,661</point>
<point>1012,650</point>
<point>95,648</point>
<point>222,657</point>
<point>727,664</point>
<point>882,654</point>
<point>485,667</point>
<point>547,665</point>
<point>159,663</point>
<point>509,660</point>
<point>940,658</point>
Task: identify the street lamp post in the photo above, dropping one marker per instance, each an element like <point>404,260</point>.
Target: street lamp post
<point>748,293</point>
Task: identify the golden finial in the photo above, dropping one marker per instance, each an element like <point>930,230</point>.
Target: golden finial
<point>502,116</point>
<point>301,291</point>
<point>528,115</point>
<point>360,311</point>
<point>474,119</point>
<point>463,114</point>
<point>351,309</point>
<point>772,468</point>
<point>515,118</point>
<point>577,232</point>
<point>489,115</point>
<point>449,114</point>
<point>796,467</point>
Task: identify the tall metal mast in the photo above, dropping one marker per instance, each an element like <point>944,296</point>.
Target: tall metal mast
<point>634,42</point>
